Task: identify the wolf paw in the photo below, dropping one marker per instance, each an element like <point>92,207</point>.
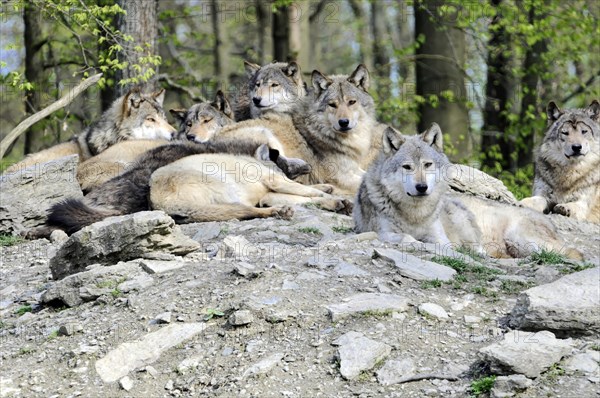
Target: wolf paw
<point>562,209</point>
<point>344,206</point>
<point>324,187</point>
<point>283,212</point>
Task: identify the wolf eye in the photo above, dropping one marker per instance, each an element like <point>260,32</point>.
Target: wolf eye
<point>428,165</point>
<point>351,102</point>
<point>189,124</point>
<point>257,84</point>
<point>584,131</point>
<point>206,120</point>
<point>151,119</point>
<point>274,84</point>
<point>406,166</point>
<point>565,132</point>
<point>332,104</point>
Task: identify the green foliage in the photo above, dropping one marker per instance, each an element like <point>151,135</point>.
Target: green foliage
<point>431,284</point>
<point>213,312</point>
<point>342,229</point>
<point>310,230</point>
<point>23,309</point>
<point>547,257</point>
<point>483,385</point>
<point>10,240</point>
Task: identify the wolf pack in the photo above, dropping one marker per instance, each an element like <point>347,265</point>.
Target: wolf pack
<point>283,143</point>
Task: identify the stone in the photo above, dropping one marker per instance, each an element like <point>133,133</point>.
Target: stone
<point>567,306</point>
<point>147,350</point>
<point>416,268</point>
<point>394,370</point>
<point>581,363</point>
<point>471,319</point>
<point>69,329</point>
<point>264,366</point>
<point>367,302</point>
<point>160,267</point>
<point>120,238</point>
<point>58,236</point>
<point>164,317</point>
<point>28,193</point>
<point>347,269</point>
<point>246,270</point>
<point>358,353</point>
<point>241,317</point>
<point>525,353</point>
<point>433,311</point>
<point>126,383</point>
<point>509,386</point>
<point>237,246</point>
<point>138,282</point>
<point>467,179</point>
<point>207,231</point>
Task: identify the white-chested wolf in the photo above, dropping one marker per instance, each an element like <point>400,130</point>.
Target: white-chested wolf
<point>405,196</point>
<point>131,117</point>
<point>567,164</point>
<point>272,88</point>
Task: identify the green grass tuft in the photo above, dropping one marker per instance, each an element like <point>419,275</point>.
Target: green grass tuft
<point>547,257</point>
<point>310,230</point>
<point>431,284</point>
<point>10,240</point>
<point>342,229</point>
<point>483,385</point>
<point>23,309</point>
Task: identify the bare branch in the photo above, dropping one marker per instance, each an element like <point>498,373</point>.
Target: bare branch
<point>581,89</point>
<point>36,117</point>
<point>178,87</point>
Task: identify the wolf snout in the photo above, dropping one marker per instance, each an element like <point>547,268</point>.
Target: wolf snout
<point>257,100</point>
<point>421,188</point>
<point>344,123</point>
<point>576,148</point>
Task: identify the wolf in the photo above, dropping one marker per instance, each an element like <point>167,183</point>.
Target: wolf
<point>272,88</point>
<point>567,164</point>
<point>404,196</point>
<point>133,116</point>
<point>334,129</point>
<point>130,191</point>
<point>197,124</point>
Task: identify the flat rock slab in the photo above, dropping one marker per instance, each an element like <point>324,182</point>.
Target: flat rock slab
<point>358,353</point>
<point>264,366</point>
<point>433,310</point>
<point>120,238</point>
<point>416,268</point>
<point>130,356</point>
<point>525,353</point>
<point>567,306</point>
<point>160,267</point>
<point>367,302</point>
<point>393,371</point>
<point>28,194</point>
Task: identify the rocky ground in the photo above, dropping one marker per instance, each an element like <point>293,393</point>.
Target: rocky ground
<point>301,308</point>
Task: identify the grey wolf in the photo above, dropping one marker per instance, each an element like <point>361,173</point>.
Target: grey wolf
<point>272,88</point>
<point>129,192</point>
<point>404,196</point>
<point>133,116</point>
<point>333,129</point>
<point>198,124</point>
<point>567,164</point>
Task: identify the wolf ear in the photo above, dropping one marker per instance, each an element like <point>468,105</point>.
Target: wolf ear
<point>292,70</point>
<point>222,104</point>
<point>250,69</point>
<point>593,111</point>
<point>178,114</point>
<point>132,99</point>
<point>159,96</point>
<point>262,153</point>
<point>553,112</point>
<point>320,82</point>
<point>392,140</point>
<point>360,77</point>
<point>433,137</point>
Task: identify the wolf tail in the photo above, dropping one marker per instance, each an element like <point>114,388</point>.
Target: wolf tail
<point>72,215</point>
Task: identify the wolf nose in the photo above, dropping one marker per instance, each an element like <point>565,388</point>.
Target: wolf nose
<point>257,100</point>
<point>421,188</point>
<point>344,123</point>
<point>190,137</point>
<point>576,148</point>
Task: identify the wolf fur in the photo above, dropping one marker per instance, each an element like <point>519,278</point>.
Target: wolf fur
<point>132,116</point>
<point>222,187</point>
<point>333,129</point>
<point>405,195</point>
<point>129,192</point>
<point>198,124</point>
<point>272,88</point>
<point>567,164</point>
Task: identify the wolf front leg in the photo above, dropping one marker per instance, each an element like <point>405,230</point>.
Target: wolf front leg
<point>537,203</point>
<point>327,202</point>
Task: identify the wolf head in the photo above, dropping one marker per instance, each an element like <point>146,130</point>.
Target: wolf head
<point>274,87</point>
<point>413,167</point>
<point>342,102</point>
<point>142,116</point>
<point>573,133</point>
<point>202,121</point>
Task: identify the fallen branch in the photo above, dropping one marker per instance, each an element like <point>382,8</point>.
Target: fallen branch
<point>36,117</point>
<point>424,376</point>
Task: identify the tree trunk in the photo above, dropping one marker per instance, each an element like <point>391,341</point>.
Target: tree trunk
<point>364,41</point>
<point>439,69</point>
<point>281,35</point>
<point>381,61</point>
<point>34,74</point>
<point>141,23</point>
<point>220,73</point>
<point>534,67</point>
<point>263,14</point>
<point>498,91</point>
<point>298,16</point>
